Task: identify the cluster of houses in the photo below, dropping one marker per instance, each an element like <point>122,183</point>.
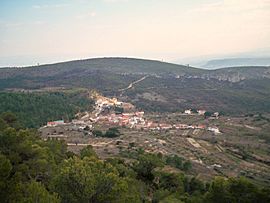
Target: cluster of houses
<point>166,126</point>
<point>104,103</point>
<point>133,119</point>
<point>136,120</point>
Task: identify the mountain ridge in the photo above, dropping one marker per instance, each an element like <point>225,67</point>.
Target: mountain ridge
<point>167,87</point>
<point>131,65</point>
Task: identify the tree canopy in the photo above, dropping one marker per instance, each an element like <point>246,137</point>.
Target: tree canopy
<point>34,170</point>
<point>35,109</point>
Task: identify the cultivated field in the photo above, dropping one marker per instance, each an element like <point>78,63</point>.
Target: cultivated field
<point>242,149</point>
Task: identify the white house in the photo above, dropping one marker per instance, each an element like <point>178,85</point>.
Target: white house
<point>201,112</point>
<point>216,114</point>
<point>214,129</point>
<point>188,111</point>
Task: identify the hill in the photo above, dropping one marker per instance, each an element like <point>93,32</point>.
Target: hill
<point>100,73</point>
<point>117,65</point>
<point>160,86</point>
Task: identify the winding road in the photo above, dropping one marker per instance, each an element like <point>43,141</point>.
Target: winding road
<point>133,83</point>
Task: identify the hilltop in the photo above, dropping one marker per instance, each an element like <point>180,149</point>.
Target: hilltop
<point>117,65</point>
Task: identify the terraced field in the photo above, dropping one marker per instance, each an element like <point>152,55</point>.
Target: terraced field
<point>242,149</point>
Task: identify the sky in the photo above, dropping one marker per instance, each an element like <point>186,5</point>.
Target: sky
<point>38,31</point>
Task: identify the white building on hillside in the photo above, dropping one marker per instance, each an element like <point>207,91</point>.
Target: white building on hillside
<point>188,111</point>
<point>201,112</point>
<point>214,129</point>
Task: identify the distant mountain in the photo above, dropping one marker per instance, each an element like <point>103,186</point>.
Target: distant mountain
<point>161,87</point>
<point>233,62</point>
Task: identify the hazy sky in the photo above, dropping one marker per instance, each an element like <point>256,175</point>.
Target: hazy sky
<point>39,31</point>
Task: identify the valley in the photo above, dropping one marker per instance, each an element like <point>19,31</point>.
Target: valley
<point>122,101</point>
<point>155,124</point>
<point>214,146</point>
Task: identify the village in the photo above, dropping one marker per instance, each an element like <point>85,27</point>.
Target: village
<point>115,113</point>
<point>212,142</point>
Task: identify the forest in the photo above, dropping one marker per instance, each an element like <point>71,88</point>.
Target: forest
<point>34,170</point>
<point>35,109</point>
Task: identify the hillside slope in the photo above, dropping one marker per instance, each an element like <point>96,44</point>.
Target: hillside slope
<point>100,73</point>
<point>116,65</point>
<point>166,87</point>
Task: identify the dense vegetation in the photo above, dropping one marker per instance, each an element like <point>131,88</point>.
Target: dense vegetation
<point>110,133</point>
<point>33,170</point>
<point>178,162</point>
<point>35,109</point>
<point>168,94</point>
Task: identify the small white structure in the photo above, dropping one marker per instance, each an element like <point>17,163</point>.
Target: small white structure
<point>216,166</point>
<point>216,114</point>
<point>214,129</point>
<point>201,112</point>
<point>188,111</point>
<point>118,103</point>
